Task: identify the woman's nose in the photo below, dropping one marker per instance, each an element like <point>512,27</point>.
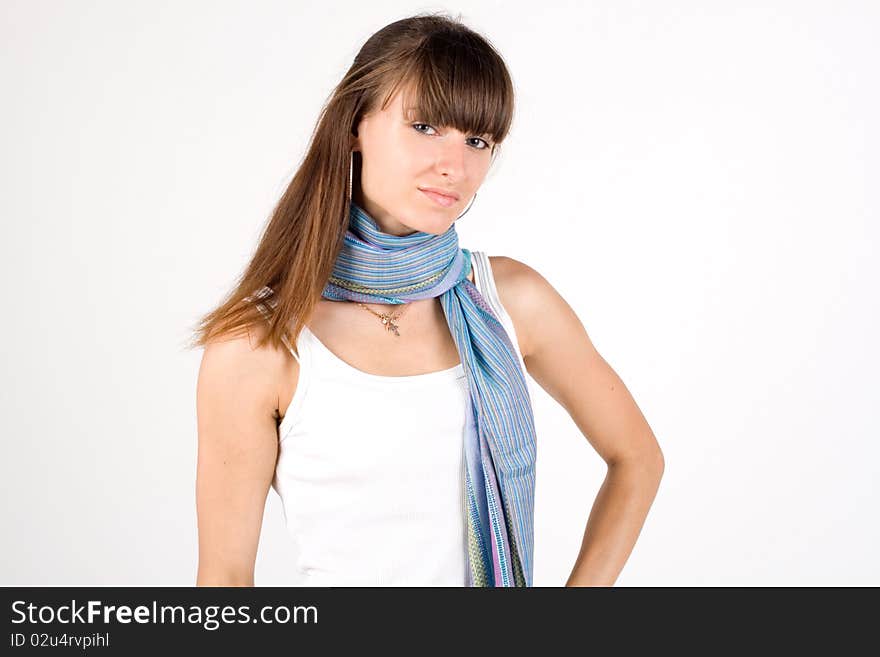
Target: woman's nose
<point>451,155</point>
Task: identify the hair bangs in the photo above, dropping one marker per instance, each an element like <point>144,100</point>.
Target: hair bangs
<point>459,82</point>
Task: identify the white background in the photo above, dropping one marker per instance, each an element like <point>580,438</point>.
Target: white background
<point>697,179</point>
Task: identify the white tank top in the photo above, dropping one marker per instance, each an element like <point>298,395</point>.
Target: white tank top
<point>370,468</point>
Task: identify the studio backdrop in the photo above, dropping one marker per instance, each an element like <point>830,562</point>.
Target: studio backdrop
<point>697,179</point>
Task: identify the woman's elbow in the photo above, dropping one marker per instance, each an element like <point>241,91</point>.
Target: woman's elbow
<point>218,577</point>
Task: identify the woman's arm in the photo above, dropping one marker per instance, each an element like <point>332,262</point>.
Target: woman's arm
<point>237,401</point>
<point>560,356</point>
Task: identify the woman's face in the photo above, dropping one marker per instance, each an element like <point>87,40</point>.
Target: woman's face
<point>402,156</point>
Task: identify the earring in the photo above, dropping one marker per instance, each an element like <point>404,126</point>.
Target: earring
<point>350,175</point>
<point>468,207</point>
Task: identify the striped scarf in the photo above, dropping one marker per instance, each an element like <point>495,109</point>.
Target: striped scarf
<point>376,267</point>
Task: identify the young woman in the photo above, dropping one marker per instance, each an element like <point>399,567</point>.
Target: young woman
<point>397,426</point>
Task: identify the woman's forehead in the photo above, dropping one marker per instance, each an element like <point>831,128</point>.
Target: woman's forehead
<point>403,95</point>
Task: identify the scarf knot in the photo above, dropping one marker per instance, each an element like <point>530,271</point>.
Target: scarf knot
<point>377,267</point>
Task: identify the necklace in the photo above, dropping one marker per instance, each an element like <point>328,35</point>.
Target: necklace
<point>387,318</point>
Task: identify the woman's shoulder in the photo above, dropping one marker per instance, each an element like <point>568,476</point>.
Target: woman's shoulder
<point>282,369</point>
<point>521,290</point>
<point>253,364</point>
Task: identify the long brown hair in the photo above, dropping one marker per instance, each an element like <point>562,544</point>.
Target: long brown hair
<point>457,78</point>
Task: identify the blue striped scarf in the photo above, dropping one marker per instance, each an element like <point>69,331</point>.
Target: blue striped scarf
<point>377,267</point>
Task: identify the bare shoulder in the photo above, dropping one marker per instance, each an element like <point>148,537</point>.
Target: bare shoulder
<point>237,400</point>
<point>524,292</point>
<point>238,369</point>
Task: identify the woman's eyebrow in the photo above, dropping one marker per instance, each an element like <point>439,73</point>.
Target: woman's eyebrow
<point>410,111</point>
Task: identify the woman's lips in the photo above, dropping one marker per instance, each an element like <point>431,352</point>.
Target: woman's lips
<point>445,201</point>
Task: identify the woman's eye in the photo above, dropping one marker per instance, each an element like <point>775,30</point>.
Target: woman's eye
<point>418,127</point>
